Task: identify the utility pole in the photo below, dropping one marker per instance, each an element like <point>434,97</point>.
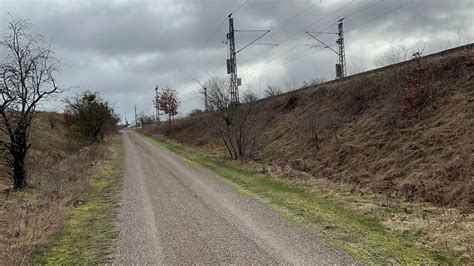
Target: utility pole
<point>235,81</point>
<point>232,64</point>
<point>341,72</point>
<point>206,106</point>
<point>157,105</point>
<point>341,53</point>
<point>136,125</point>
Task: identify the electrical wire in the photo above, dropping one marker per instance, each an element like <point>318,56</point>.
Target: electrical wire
<point>364,8</point>
<point>204,44</point>
<point>350,29</point>
<point>378,17</point>
<point>292,37</point>
<point>335,11</point>
<point>359,10</point>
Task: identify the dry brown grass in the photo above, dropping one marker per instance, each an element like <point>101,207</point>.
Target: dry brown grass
<point>58,177</point>
<point>447,229</point>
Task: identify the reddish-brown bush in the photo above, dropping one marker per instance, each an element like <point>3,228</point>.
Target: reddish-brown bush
<point>419,91</point>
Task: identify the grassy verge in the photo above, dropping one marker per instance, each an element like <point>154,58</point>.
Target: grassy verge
<point>364,236</point>
<point>89,231</point>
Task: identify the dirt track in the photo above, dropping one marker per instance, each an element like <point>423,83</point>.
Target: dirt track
<point>175,213</point>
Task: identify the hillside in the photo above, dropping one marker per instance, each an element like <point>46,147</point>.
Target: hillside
<point>364,140</point>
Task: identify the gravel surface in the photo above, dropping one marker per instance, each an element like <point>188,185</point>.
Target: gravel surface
<point>175,213</point>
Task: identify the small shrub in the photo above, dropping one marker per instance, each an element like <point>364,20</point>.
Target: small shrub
<point>87,117</point>
<point>272,91</point>
<point>145,119</point>
<point>419,91</point>
<point>292,103</point>
<point>196,112</point>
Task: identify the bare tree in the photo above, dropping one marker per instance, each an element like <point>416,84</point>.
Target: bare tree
<point>396,54</point>
<point>272,91</point>
<point>145,119</point>
<point>320,124</point>
<point>314,82</point>
<point>313,128</point>
<point>291,84</point>
<point>356,65</point>
<point>27,73</point>
<point>168,102</point>
<point>237,125</point>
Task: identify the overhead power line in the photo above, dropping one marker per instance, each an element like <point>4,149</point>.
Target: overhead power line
<point>292,38</point>
<point>196,53</point>
<point>204,44</point>
<point>239,7</point>
<point>370,5</point>
<point>363,9</point>
<point>378,17</point>
<point>328,46</point>
<point>357,11</point>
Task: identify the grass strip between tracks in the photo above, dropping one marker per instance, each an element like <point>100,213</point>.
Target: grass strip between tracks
<point>364,237</point>
<point>89,232</point>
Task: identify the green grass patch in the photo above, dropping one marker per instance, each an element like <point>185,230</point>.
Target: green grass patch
<point>365,237</point>
<point>88,234</point>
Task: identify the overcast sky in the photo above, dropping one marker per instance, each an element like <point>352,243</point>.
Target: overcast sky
<point>123,49</point>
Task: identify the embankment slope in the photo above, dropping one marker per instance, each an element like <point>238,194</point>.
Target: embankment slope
<point>365,140</point>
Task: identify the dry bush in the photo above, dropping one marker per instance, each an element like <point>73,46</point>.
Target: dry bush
<point>314,126</point>
<point>238,125</point>
<point>396,54</point>
<point>88,118</point>
<point>419,91</point>
<point>292,102</point>
<point>272,91</point>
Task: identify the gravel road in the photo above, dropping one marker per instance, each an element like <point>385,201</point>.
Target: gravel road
<point>175,213</point>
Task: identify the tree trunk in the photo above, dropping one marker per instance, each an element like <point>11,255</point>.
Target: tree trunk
<point>169,125</point>
<point>18,154</point>
<point>18,151</point>
<point>19,174</point>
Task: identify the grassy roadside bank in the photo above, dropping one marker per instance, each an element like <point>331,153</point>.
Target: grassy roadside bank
<point>363,235</point>
<point>89,229</point>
